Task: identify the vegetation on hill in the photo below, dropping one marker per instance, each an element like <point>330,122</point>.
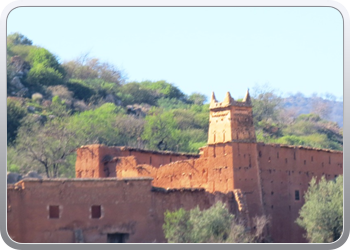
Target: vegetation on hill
<point>55,107</point>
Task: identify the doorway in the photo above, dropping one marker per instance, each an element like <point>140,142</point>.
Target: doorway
<point>117,238</point>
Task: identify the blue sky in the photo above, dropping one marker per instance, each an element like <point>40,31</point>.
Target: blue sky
<point>200,49</point>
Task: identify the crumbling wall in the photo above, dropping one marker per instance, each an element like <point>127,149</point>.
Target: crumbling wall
<point>92,159</point>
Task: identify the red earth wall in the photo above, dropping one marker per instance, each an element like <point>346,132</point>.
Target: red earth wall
<point>268,175</point>
<point>29,201</point>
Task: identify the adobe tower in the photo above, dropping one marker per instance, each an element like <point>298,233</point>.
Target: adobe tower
<point>230,120</point>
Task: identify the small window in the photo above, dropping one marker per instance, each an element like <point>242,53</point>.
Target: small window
<point>304,162</point>
<point>286,160</point>
<point>297,196</point>
<point>95,212</point>
<point>54,212</point>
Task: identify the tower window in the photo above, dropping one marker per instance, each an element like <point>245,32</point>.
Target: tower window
<point>297,195</point>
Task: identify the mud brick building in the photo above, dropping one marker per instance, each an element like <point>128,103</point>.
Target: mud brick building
<point>120,194</point>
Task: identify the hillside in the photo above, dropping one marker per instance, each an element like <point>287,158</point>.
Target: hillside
<point>55,107</point>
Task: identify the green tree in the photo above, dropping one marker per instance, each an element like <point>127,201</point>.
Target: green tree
<point>134,92</point>
<point>161,131</point>
<point>96,126</point>
<point>197,98</point>
<point>164,89</point>
<point>18,39</point>
<point>322,214</point>
<point>15,113</point>
<point>214,225</point>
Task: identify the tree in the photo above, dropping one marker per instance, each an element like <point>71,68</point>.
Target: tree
<point>85,67</point>
<point>46,147</point>
<point>197,98</point>
<point>322,214</point>
<point>15,113</point>
<point>164,89</point>
<point>96,126</point>
<point>266,103</point>
<point>18,39</point>
<point>161,131</point>
<point>134,92</point>
<point>214,225</point>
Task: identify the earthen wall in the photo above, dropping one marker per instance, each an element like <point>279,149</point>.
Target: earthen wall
<point>285,174</point>
<point>92,159</point>
<point>29,220</point>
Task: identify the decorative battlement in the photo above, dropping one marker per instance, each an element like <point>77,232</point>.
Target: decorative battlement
<point>229,101</point>
<point>230,120</point>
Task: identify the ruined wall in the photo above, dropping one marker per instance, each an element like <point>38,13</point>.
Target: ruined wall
<point>29,217</point>
<point>92,160</point>
<point>285,173</point>
<point>212,171</point>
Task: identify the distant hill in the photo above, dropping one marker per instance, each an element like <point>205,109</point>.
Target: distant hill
<point>327,108</point>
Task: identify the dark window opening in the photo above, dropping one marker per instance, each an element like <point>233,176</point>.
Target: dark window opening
<point>297,196</point>
<point>54,212</point>
<point>272,207</point>
<point>117,238</point>
<point>304,162</point>
<point>259,153</point>
<point>271,193</point>
<point>96,212</point>
<point>286,160</point>
<point>269,159</point>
